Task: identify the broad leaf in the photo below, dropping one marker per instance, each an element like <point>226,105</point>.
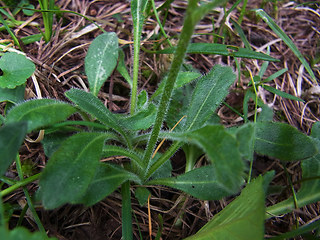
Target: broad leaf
<point>21,233</point>
<point>200,183</point>
<point>221,49</point>
<point>12,95</point>
<point>310,185</point>
<point>242,219</point>
<point>282,141</point>
<point>11,138</point>
<point>222,150</point>
<point>101,60</point>
<point>183,78</point>
<point>16,69</point>
<point>93,106</point>
<point>245,137</point>
<point>71,169</point>
<point>211,89</point>
<point>106,180</point>
<point>40,113</point>
<point>141,120</point>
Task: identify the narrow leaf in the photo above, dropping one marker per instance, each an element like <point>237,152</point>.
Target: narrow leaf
<point>211,89</point>
<point>11,138</point>
<point>71,169</point>
<point>277,30</point>
<point>121,68</point>
<point>101,60</point>
<point>281,94</point>
<point>221,49</point>
<point>40,113</point>
<point>107,179</point>
<point>242,219</point>
<point>282,141</point>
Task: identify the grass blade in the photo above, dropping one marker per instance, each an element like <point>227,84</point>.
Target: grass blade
<point>286,39</point>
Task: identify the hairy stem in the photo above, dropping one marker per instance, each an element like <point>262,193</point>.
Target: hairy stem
<point>187,31</point>
<point>127,233</point>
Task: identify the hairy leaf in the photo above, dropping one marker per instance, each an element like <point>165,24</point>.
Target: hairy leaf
<point>71,169</point>
<point>183,78</point>
<point>107,179</point>
<point>310,185</point>
<point>11,138</point>
<point>16,69</point>
<point>101,60</point>
<point>142,120</point>
<point>282,141</point>
<point>222,150</point>
<point>92,105</point>
<point>211,89</point>
<point>241,219</point>
<point>200,183</point>
<point>40,113</point>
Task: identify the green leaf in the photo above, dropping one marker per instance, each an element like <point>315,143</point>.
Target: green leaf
<point>142,100</point>
<point>142,194</point>
<point>107,179</point>
<point>277,30</point>
<point>101,60</point>
<point>310,185</point>
<point>211,89</point>
<point>141,120</point>
<point>222,150</point>
<point>281,94</point>
<point>121,68</point>
<point>221,49</point>
<point>200,183</point>
<point>40,113</point>
<point>138,8</point>
<point>93,106</point>
<point>245,137</point>
<point>71,169</point>
<point>20,233</point>
<point>241,219</point>
<point>16,69</point>
<point>183,78</point>
<point>111,151</point>
<point>12,95</point>
<point>11,138</point>
<point>282,141</point>
<point>247,53</point>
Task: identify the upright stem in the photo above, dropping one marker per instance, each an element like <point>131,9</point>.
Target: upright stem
<point>127,233</point>
<point>29,201</point>
<point>187,31</point>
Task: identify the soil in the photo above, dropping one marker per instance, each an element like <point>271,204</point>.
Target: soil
<point>60,66</point>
